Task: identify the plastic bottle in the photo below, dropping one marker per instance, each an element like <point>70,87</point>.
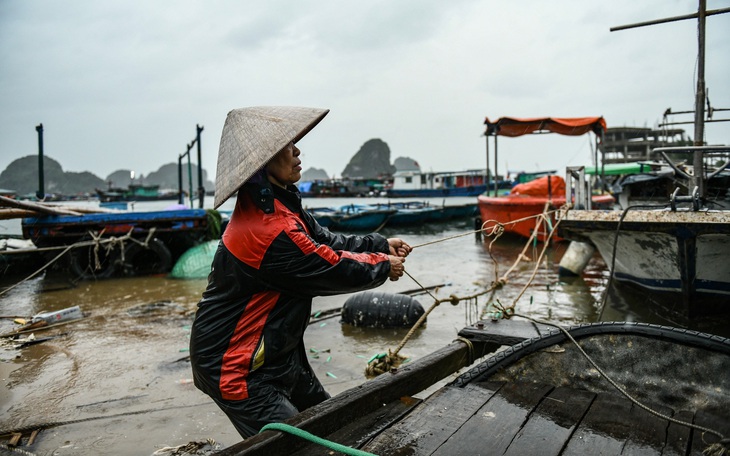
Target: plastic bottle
<point>71,313</point>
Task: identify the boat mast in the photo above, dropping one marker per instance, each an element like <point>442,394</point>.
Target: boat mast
<point>699,111</point>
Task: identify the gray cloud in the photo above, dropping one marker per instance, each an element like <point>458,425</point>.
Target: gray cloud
<point>122,84</point>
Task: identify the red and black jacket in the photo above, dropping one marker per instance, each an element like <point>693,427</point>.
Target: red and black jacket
<point>272,260</point>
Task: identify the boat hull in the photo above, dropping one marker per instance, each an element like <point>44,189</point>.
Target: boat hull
<point>517,212</point>
<point>159,239</point>
<point>472,190</point>
<point>678,258</point>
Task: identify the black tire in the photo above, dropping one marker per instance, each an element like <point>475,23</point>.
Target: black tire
<point>153,259</point>
<point>82,263</point>
<point>516,352</point>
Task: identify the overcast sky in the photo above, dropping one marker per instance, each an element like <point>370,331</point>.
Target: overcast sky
<point>122,84</point>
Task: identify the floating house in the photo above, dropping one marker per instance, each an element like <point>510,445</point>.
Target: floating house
<point>414,183</point>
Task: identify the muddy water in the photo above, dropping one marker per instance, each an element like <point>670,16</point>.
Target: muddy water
<point>118,381</point>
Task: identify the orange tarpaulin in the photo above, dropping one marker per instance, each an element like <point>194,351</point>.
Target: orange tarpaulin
<point>539,187</point>
<point>575,126</point>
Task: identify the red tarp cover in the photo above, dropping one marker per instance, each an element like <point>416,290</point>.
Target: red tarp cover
<point>576,126</point>
<point>539,187</point>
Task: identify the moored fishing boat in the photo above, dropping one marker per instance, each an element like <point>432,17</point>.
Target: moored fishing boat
<point>139,243</point>
<point>368,217</point>
<point>353,217</point>
<point>412,213</point>
<point>674,256</point>
<point>674,253</point>
<point>516,211</point>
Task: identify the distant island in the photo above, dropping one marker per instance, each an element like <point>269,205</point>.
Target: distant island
<point>21,178</point>
<point>371,161</point>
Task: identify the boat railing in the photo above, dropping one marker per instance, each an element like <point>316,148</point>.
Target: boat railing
<point>695,181</point>
<point>577,188</point>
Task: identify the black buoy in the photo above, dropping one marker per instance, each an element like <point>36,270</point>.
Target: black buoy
<point>376,309</point>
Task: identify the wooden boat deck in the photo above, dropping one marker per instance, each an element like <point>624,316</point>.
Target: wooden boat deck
<point>507,417</point>
<point>521,419</point>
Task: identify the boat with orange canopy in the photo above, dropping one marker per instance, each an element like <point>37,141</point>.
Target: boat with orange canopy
<point>517,210</point>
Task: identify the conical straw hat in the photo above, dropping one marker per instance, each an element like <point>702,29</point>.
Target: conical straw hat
<point>252,136</point>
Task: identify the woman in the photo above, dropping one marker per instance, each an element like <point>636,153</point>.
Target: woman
<point>246,347</point>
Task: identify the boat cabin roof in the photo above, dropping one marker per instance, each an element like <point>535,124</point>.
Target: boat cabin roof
<point>571,126</point>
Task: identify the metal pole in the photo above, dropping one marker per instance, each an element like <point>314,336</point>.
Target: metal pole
<point>41,194</point>
<point>496,174</point>
<point>201,188</point>
<point>670,19</point>
<point>487,181</point>
<point>180,198</point>
<point>190,180</point>
<point>697,161</point>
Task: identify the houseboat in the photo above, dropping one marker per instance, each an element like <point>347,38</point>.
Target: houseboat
<point>414,183</point>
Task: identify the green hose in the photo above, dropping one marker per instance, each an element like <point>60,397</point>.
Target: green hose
<point>313,438</point>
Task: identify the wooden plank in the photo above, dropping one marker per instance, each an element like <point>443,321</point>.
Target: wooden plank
<point>504,332</point>
<point>648,432</point>
<point>359,432</point>
<point>434,421</point>
<point>597,433</point>
<point>553,422</point>
<point>33,436</point>
<point>717,421</point>
<point>15,439</point>
<point>678,436</point>
<point>348,406</point>
<point>493,427</point>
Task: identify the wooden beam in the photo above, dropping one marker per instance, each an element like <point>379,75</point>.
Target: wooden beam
<point>43,208</point>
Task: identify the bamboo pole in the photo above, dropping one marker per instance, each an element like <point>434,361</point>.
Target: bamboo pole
<point>36,207</point>
<point>19,209</point>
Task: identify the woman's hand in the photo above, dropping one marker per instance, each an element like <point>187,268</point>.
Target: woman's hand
<point>399,247</point>
<point>396,267</point>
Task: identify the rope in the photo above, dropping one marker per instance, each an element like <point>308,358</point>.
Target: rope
<point>470,349</point>
<point>498,226</point>
<point>295,431</point>
<point>615,245</point>
<point>384,362</point>
<point>13,449</point>
<point>95,242</point>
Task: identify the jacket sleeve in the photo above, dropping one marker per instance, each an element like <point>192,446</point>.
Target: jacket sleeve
<point>297,263</point>
<point>354,243</point>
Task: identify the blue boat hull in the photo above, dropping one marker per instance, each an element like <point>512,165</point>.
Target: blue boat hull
<point>473,190</point>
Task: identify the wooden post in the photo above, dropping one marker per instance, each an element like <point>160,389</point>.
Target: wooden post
<point>201,187</point>
<point>41,193</point>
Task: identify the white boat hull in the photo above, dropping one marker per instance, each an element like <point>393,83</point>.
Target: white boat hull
<point>682,255</point>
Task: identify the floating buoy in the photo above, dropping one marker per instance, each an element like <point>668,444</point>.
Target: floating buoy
<point>576,258</point>
<point>195,262</point>
<point>377,309</point>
